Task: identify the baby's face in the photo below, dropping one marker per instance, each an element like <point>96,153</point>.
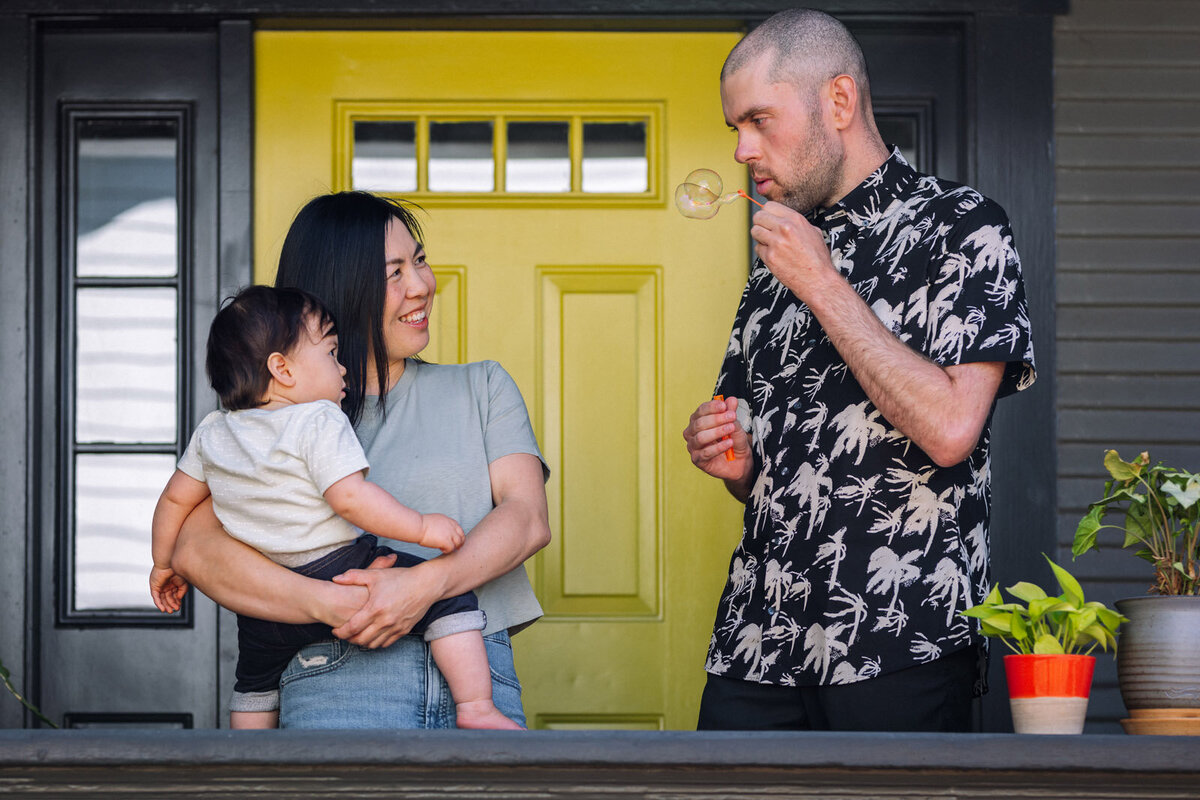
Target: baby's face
<point>319,375</point>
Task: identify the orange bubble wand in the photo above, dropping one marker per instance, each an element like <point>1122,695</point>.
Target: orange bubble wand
<point>729,456</point>
<point>700,195</point>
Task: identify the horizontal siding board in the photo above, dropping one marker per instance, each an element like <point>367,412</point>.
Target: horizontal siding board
<point>1085,458</point>
<point>1175,48</point>
<point>1127,82</point>
<point>1130,322</point>
<point>1172,16</point>
<point>1129,426</point>
<point>1129,391</point>
<point>1137,184</point>
<point>1171,289</point>
<point>1130,219</point>
<point>1107,253</point>
<point>1147,148</point>
<point>1167,358</point>
<point>1128,116</point>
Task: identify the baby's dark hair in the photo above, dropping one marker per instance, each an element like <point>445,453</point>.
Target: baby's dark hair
<point>259,321</point>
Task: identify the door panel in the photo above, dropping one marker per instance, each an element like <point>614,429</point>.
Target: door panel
<point>610,310</point>
<point>128,221</point>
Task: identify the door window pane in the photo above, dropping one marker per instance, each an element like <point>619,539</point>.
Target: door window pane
<point>126,215</point>
<point>126,365</point>
<point>115,497</point>
<point>539,157</point>
<point>901,130</point>
<point>614,157</point>
<point>385,156</point>
<point>460,157</point>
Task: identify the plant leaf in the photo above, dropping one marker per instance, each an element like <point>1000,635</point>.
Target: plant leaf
<point>1027,591</point>
<point>1124,470</point>
<point>1187,495</point>
<point>1085,534</point>
<point>1070,586</point>
<point>1047,645</point>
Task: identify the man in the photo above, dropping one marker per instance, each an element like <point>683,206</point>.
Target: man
<point>883,318</point>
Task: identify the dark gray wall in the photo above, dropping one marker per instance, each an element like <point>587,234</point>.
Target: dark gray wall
<point>1127,132</point>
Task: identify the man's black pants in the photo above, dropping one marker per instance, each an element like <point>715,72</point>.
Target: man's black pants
<point>933,697</point>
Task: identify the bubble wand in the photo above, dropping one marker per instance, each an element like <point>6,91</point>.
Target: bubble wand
<point>700,195</point>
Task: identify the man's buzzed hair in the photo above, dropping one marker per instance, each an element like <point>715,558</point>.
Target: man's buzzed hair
<point>807,48</point>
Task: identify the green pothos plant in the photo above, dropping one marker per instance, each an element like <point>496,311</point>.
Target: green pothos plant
<point>1043,624</point>
<point>1162,519</point>
<point>4,676</point>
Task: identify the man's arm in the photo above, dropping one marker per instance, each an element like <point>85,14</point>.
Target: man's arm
<point>941,409</point>
<point>516,528</point>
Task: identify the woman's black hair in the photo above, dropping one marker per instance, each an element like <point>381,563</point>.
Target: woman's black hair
<point>258,321</point>
<point>335,250</point>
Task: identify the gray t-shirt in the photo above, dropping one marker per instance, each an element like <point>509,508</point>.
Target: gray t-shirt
<point>445,423</point>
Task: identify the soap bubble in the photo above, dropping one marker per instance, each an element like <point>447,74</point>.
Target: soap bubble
<point>700,197</point>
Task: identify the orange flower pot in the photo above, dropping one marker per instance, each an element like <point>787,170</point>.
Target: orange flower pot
<point>1049,693</point>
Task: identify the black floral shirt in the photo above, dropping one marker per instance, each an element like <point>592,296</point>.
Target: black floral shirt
<point>858,552</point>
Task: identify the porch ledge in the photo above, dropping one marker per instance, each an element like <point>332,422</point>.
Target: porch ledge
<point>451,764</point>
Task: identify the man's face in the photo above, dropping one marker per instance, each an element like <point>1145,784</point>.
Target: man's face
<point>794,155</point>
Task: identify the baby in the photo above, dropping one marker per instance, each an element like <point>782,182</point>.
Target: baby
<point>288,477</point>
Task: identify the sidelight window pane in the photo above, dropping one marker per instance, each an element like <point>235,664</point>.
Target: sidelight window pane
<point>115,495</point>
<point>385,156</point>
<point>460,157</point>
<point>539,157</point>
<point>126,365</point>
<point>614,157</point>
<point>127,216</point>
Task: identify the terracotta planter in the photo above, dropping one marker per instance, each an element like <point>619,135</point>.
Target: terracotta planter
<point>1158,664</point>
<point>1049,693</point>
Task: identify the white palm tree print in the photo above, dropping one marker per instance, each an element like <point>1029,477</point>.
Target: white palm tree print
<point>834,551</point>
<point>859,430</point>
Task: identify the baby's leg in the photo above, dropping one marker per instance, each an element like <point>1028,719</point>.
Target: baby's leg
<point>252,720</point>
<point>463,660</point>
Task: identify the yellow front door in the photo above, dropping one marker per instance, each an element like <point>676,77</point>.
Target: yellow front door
<point>547,163</point>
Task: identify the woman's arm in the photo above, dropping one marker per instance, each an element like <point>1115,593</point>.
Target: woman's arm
<point>516,528</point>
<point>245,581</point>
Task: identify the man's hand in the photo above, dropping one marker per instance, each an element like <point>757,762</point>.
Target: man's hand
<point>712,430</point>
<point>441,533</point>
<point>792,248</point>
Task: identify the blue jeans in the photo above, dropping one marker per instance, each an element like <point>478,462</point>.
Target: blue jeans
<point>333,684</point>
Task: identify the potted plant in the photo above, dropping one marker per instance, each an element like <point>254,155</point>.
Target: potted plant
<point>1050,671</point>
<point>1158,667</point>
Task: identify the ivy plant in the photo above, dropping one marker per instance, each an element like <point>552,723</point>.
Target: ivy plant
<point>1043,624</point>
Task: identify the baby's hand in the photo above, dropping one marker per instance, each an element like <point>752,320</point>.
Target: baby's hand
<point>167,589</point>
<point>441,532</point>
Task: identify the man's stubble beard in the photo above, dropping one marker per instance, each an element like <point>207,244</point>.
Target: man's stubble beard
<point>818,171</point>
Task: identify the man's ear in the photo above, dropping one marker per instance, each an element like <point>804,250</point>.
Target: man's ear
<point>843,95</point>
<point>280,369</point>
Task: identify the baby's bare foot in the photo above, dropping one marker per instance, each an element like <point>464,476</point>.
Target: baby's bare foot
<point>483,715</point>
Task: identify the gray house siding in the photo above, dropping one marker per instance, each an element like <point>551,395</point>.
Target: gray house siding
<point>1127,130</point>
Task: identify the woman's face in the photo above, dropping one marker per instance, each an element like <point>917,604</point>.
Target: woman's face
<point>409,295</point>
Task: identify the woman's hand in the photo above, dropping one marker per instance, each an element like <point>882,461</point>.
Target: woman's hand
<point>398,599</point>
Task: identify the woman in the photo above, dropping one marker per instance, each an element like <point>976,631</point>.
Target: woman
<point>450,439</point>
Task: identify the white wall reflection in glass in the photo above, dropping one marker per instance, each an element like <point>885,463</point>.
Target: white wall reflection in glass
<point>125,365</point>
<point>460,157</point>
<point>385,156</point>
<point>539,157</point>
<point>126,213</point>
<point>114,503</point>
<point>614,157</point>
